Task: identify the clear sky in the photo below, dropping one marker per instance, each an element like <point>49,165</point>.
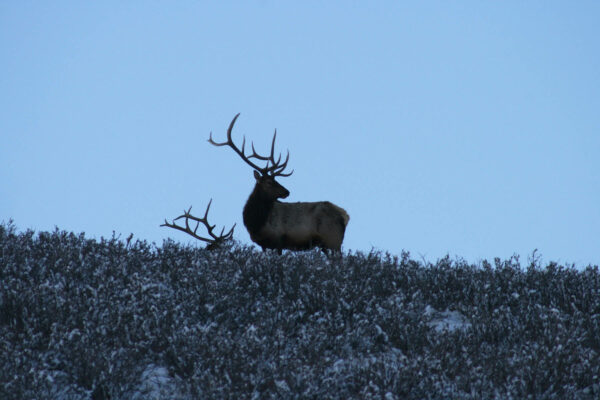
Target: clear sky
<point>463,128</point>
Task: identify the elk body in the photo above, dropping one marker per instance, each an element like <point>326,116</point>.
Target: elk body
<point>273,224</point>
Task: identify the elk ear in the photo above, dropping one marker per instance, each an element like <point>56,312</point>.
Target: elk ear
<point>256,175</point>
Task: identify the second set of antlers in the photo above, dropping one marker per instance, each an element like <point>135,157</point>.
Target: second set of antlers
<point>214,241</point>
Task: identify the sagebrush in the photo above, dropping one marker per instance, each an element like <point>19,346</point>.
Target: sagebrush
<point>112,319</point>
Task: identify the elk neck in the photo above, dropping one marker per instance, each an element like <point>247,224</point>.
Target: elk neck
<point>257,210</point>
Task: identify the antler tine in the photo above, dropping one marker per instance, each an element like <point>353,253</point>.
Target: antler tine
<point>229,130</point>
<point>229,234</point>
<point>271,157</point>
<point>212,243</point>
<point>230,143</point>
<point>206,212</point>
<point>256,155</point>
<point>276,169</point>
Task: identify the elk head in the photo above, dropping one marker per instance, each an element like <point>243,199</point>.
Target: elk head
<point>269,187</point>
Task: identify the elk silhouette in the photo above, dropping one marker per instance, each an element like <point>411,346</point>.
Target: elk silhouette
<point>213,242</point>
<point>273,224</point>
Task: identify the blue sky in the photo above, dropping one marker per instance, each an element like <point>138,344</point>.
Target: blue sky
<point>463,128</point>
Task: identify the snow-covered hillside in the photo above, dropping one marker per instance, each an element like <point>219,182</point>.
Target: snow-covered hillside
<point>87,319</point>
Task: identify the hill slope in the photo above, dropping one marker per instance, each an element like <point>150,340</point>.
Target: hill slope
<point>82,319</point>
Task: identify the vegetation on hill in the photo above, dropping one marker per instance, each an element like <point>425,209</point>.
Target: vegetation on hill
<point>111,319</point>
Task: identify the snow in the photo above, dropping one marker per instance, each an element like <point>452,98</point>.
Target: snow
<point>156,384</point>
<point>446,321</point>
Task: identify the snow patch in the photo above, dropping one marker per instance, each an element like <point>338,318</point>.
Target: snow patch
<point>450,321</point>
<point>156,384</point>
<point>282,385</point>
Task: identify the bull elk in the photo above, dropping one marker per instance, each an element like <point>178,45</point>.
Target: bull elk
<point>273,224</point>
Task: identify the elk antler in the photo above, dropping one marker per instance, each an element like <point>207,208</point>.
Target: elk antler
<point>213,243</point>
<point>276,168</point>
